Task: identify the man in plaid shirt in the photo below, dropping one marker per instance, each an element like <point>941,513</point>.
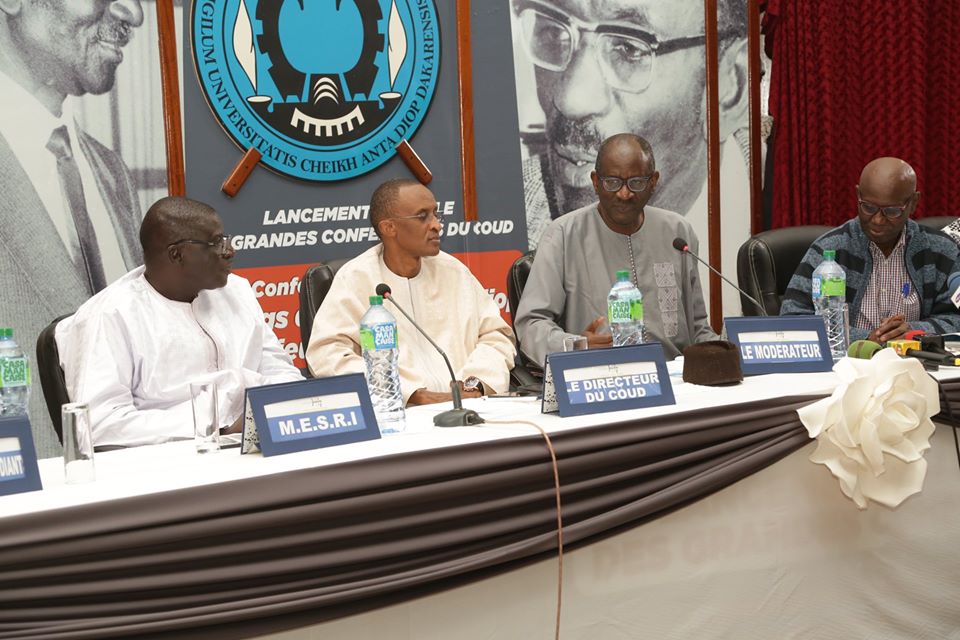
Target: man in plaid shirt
<point>896,270</point>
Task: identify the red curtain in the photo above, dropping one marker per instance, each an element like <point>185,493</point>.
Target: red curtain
<point>852,81</point>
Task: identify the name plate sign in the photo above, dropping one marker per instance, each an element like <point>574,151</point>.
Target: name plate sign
<point>18,458</point>
<point>780,344</point>
<point>312,414</point>
<point>600,380</point>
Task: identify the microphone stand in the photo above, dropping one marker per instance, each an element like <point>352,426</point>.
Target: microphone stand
<point>458,416</point>
<point>746,295</point>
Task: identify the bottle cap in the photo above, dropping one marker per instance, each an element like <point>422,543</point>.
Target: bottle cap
<point>623,274</point>
<point>376,300</point>
<point>829,254</point>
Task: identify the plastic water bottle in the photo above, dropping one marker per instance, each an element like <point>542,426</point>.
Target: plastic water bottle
<point>14,376</point>
<point>829,291</point>
<point>625,311</point>
<point>378,339</point>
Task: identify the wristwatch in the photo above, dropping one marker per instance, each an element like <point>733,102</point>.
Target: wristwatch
<point>473,384</point>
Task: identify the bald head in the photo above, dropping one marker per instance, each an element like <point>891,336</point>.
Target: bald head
<point>625,145</point>
<point>887,180</point>
<point>184,248</point>
<point>169,220</point>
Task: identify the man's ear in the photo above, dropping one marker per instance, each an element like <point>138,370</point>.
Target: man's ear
<point>11,7</point>
<point>734,89</point>
<point>387,228</point>
<point>174,252</point>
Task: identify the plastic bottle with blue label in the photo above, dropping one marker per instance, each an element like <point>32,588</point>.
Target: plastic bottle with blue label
<point>381,354</point>
<point>828,289</point>
<point>14,376</point>
<point>625,311</point>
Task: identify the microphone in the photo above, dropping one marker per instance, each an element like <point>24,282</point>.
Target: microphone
<point>911,349</point>
<point>458,416</point>
<point>681,245</point>
<point>863,349</point>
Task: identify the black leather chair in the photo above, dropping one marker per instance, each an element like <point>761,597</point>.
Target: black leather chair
<point>52,381</point>
<point>766,262</point>
<point>313,289</point>
<point>936,222</point>
<point>517,279</point>
<point>526,373</point>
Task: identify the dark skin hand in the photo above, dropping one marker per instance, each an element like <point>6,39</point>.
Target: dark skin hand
<point>890,329</point>
<point>236,427</point>
<point>422,396</point>
<point>596,339</point>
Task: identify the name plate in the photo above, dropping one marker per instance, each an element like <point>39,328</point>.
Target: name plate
<point>312,414</point>
<point>18,458</point>
<point>578,383</point>
<point>780,344</point>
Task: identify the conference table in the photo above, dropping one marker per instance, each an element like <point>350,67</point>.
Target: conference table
<point>701,520</point>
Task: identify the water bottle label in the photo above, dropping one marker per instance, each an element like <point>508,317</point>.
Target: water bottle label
<point>815,287</point>
<point>379,337</point>
<point>625,311</point>
<point>14,372</point>
<point>834,287</point>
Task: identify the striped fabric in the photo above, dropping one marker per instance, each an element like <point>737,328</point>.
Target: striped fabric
<point>929,257</point>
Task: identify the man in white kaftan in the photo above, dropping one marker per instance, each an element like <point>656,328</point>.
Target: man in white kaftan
<point>432,286</point>
<point>132,350</point>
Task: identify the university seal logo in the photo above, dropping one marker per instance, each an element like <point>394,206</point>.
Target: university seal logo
<point>324,89</point>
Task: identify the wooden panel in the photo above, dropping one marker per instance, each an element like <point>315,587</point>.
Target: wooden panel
<point>468,170</point>
<point>713,161</point>
<point>231,186</point>
<point>170,82</point>
<point>753,70</point>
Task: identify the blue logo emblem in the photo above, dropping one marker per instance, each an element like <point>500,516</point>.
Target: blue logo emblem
<point>324,89</point>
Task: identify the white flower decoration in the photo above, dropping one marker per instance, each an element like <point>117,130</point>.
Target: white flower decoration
<point>872,432</point>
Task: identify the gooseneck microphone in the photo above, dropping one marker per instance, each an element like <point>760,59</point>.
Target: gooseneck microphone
<point>458,416</point>
<point>681,245</point>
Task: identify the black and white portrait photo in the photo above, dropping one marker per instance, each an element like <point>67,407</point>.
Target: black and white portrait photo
<point>81,153</point>
<point>587,69</point>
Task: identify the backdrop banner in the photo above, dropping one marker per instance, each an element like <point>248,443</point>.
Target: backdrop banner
<point>325,91</point>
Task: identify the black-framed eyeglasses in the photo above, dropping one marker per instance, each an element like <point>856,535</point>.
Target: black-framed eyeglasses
<point>424,217</point>
<point>624,54</point>
<point>637,184</point>
<point>892,212</point>
<point>221,245</point>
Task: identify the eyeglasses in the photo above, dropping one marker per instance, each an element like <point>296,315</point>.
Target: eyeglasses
<point>891,212</point>
<point>424,217</point>
<point>221,245</point>
<point>637,184</point>
<point>625,54</point>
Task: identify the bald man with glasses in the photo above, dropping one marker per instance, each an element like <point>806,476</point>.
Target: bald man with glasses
<point>434,287</point>
<point>601,67</point>
<point>132,350</point>
<point>582,251</point>
<point>896,270</point>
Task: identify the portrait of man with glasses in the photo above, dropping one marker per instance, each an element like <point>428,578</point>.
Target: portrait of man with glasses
<point>897,270</point>
<point>601,67</point>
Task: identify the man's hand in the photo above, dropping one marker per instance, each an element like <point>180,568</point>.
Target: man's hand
<point>236,427</point>
<point>422,396</point>
<point>890,329</point>
<point>596,339</point>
